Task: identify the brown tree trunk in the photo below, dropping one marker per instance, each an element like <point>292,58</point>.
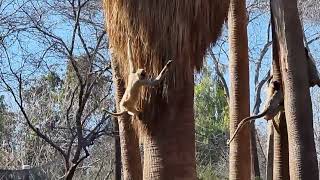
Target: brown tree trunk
<point>281,151</point>
<point>169,150</point>
<point>270,145</point>
<point>254,153</point>
<point>130,153</point>
<point>117,151</point>
<point>297,102</point>
<point>240,166</point>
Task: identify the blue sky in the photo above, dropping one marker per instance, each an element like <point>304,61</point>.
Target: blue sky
<point>257,34</point>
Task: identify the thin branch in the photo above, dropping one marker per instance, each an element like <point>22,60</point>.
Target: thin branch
<point>257,98</point>
<point>259,61</point>
<point>34,129</point>
<point>220,75</point>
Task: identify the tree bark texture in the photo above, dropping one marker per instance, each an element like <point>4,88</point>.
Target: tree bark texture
<point>240,161</point>
<point>117,150</point>
<point>254,153</point>
<point>281,149</point>
<point>270,148</point>
<point>169,150</point>
<point>297,101</point>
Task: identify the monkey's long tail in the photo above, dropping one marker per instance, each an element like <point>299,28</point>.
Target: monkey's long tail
<point>242,123</point>
<point>115,114</point>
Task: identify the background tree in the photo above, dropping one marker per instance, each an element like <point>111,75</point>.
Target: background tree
<point>211,113</point>
<point>61,82</point>
<point>240,166</point>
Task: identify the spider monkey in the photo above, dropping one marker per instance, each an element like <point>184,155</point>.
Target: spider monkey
<point>271,109</point>
<point>275,102</point>
<point>136,80</point>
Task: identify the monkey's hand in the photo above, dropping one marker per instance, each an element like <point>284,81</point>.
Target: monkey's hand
<point>168,63</point>
<point>165,68</point>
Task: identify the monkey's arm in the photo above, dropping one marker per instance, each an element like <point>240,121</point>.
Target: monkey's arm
<point>243,122</point>
<point>131,69</point>
<point>159,78</point>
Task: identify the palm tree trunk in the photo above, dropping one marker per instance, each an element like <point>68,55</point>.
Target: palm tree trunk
<point>298,109</point>
<point>240,166</point>
<point>254,153</point>
<point>130,153</point>
<point>169,150</point>
<point>117,151</point>
<point>270,145</point>
<point>281,151</point>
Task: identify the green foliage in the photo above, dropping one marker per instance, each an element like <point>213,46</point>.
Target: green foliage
<point>211,105</point>
<point>211,110</point>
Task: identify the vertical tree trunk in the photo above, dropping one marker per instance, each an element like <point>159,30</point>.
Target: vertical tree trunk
<point>254,153</point>
<point>130,153</point>
<point>169,150</point>
<point>117,151</point>
<point>281,151</point>
<point>239,92</point>
<point>297,102</point>
<point>270,145</point>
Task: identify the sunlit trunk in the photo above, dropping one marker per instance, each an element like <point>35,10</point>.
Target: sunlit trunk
<point>240,162</point>
<point>169,150</point>
<point>281,151</point>
<point>270,147</point>
<point>297,101</point>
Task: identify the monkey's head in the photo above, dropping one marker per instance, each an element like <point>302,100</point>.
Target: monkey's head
<point>141,73</point>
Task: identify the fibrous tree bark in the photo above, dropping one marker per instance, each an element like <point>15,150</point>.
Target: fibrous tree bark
<point>270,145</point>
<point>297,101</point>
<point>240,162</point>
<point>117,150</point>
<point>281,150</point>
<point>280,136</point>
<point>163,30</point>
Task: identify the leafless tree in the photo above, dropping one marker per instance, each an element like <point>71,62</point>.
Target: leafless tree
<point>60,78</point>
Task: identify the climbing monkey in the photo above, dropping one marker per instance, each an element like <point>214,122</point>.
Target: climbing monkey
<point>275,102</point>
<point>271,109</point>
<point>136,80</point>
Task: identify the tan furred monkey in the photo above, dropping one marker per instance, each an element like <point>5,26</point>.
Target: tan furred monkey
<point>274,104</point>
<point>136,80</point>
<point>272,107</point>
